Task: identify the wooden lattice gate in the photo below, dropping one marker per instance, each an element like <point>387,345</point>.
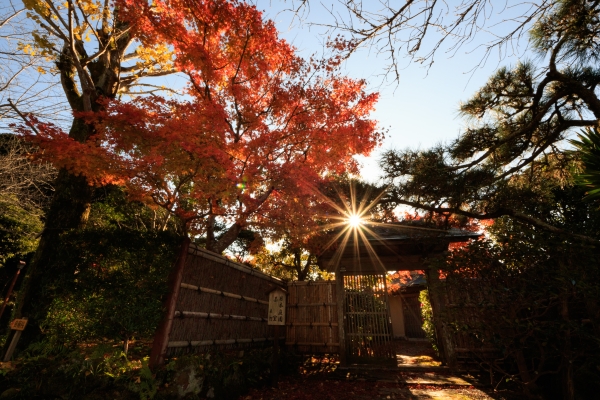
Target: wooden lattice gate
<point>367,325</point>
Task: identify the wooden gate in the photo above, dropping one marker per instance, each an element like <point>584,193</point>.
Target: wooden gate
<point>312,319</point>
<point>368,325</point>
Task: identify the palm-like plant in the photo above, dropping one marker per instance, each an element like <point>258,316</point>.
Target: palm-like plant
<point>588,146</point>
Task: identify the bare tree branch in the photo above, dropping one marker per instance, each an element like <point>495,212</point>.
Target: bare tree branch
<point>419,29</point>
<point>23,183</point>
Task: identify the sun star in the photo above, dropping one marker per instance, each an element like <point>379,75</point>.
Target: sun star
<point>355,221</point>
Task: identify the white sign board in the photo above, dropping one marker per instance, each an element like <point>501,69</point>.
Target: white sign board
<point>277,301</point>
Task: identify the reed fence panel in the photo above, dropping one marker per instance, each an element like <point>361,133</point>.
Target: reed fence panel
<point>312,320</point>
<point>221,304</point>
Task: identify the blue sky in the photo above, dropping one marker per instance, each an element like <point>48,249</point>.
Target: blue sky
<point>422,108</point>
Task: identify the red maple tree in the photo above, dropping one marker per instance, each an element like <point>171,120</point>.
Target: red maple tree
<point>256,130</point>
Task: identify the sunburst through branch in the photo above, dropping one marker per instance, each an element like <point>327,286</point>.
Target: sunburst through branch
<point>352,226</point>
<point>352,223</point>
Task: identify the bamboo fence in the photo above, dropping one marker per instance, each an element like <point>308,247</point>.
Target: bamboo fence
<point>312,320</point>
<point>221,304</point>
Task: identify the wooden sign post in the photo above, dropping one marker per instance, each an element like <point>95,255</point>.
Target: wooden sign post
<point>277,304</point>
<point>17,325</point>
<point>11,287</point>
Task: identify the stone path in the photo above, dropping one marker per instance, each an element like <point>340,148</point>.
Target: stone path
<point>305,389</point>
<point>418,375</point>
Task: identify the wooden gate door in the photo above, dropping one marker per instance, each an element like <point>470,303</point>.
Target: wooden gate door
<point>312,319</point>
<point>368,324</point>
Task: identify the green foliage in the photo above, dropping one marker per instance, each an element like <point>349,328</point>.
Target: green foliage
<point>112,209</point>
<point>227,375</point>
<point>91,372</point>
<point>24,191</point>
<point>99,371</point>
<point>530,292</point>
<point>574,25</point>
<point>18,230</point>
<point>289,263</point>
<point>108,279</point>
<point>427,314</point>
<point>588,146</point>
<point>108,285</point>
<point>146,385</point>
<point>115,286</point>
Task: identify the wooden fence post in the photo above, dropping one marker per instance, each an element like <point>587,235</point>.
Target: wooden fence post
<point>339,291</point>
<point>17,326</point>
<point>161,337</point>
<point>12,285</point>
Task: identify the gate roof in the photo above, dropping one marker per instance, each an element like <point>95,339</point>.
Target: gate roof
<point>393,247</point>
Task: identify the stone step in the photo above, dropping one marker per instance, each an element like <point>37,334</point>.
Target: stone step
<point>438,376</point>
<point>398,368</point>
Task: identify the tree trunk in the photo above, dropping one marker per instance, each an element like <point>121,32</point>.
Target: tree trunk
<point>69,209</point>
<point>528,383</point>
<point>567,372</point>
<point>302,271</point>
<point>218,246</point>
<point>71,202</point>
<point>231,234</point>
<point>444,340</point>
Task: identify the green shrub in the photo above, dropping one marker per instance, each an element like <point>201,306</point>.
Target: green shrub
<point>113,285</point>
<point>226,375</point>
<point>427,313</point>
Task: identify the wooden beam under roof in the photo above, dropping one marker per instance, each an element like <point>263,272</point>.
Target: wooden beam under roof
<point>397,247</point>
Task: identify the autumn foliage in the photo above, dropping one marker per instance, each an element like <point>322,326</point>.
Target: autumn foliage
<point>255,130</point>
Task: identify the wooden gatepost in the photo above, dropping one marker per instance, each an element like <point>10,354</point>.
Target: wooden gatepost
<point>213,303</point>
